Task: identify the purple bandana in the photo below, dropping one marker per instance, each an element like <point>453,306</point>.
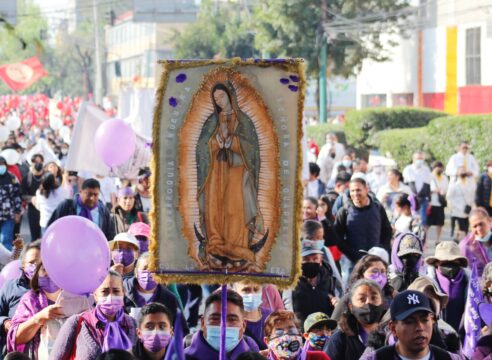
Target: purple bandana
<point>114,336</point>
<point>123,256</point>
<point>452,287</point>
<point>145,280</point>
<point>84,210</point>
<point>155,340</point>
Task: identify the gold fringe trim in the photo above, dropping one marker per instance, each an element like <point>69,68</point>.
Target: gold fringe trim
<point>295,66</point>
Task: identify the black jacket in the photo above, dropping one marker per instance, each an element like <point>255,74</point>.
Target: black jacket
<point>68,207</point>
<point>344,347</point>
<point>484,187</point>
<point>307,299</point>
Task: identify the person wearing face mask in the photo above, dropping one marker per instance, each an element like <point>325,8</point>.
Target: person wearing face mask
<point>142,197</point>
<point>33,316</point>
<point>124,213</point>
<point>29,185</point>
<point>124,251</point>
<point>254,313</point>
<point>154,332</point>
<point>142,289</point>
<point>365,309</point>
<point>318,328</point>
<point>406,260</point>
<point>332,152</point>
<point>370,267</point>
<point>446,270</point>
<point>477,245</point>
<point>316,289</point>
<point>141,231</point>
<point>13,290</point>
<point>284,340</point>
<point>49,195</point>
<point>205,343</point>
<point>10,211</point>
<point>346,165</point>
<point>460,198</point>
<point>63,154</point>
<point>483,195</point>
<point>106,326</point>
<point>418,176</point>
<point>376,178</point>
<point>439,188</point>
<point>412,324</point>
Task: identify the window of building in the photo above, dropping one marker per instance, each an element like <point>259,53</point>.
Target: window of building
<point>473,56</point>
<point>374,100</point>
<point>402,99</point>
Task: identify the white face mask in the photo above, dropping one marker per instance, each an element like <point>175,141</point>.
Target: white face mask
<point>485,238</point>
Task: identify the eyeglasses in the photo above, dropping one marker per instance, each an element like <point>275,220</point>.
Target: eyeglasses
<point>281,332</point>
<point>376,271</point>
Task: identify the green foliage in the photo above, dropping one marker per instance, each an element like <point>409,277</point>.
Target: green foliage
<point>400,144</point>
<point>361,125</point>
<point>318,132</point>
<point>222,29</point>
<point>447,132</point>
<point>295,28</point>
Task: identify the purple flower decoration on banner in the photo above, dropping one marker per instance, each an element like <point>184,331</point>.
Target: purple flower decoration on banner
<point>181,78</point>
<point>284,81</point>
<point>294,78</point>
<point>173,101</point>
<point>293,88</point>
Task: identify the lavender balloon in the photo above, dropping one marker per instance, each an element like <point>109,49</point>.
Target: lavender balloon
<point>10,271</point>
<point>115,142</point>
<point>75,254</point>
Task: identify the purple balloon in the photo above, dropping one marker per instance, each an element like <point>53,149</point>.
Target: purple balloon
<point>10,271</point>
<point>115,142</point>
<point>75,254</point>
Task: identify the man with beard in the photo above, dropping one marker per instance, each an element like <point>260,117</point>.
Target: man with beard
<point>406,260</point>
<point>411,323</point>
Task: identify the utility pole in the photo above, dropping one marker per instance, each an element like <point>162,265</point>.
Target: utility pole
<point>98,89</point>
<point>322,65</point>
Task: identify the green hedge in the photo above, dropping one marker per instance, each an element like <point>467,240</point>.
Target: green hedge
<point>400,144</point>
<point>361,125</point>
<point>318,133</point>
<point>447,132</point>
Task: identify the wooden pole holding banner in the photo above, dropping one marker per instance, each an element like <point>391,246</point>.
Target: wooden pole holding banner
<point>223,323</point>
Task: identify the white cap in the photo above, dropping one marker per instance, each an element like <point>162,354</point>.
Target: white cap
<point>11,156</point>
<point>358,175</point>
<point>124,237</point>
<point>378,251</point>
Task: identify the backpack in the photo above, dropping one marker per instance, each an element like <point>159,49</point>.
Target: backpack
<point>389,353</point>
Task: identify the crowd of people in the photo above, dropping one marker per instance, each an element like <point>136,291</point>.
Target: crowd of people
<point>366,289</point>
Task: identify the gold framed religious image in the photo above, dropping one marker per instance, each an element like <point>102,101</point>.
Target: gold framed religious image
<point>226,162</point>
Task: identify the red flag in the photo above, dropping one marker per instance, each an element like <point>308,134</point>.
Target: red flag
<point>20,76</point>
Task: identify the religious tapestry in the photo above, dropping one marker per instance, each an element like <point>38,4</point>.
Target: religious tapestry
<point>226,163</point>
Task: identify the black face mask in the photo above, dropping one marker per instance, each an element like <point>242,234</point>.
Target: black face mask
<point>369,313</point>
<point>450,270</point>
<point>310,270</point>
<point>410,262</point>
<point>38,167</point>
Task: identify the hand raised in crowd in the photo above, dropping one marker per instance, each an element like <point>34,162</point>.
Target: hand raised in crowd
<point>334,300</point>
<point>118,268</point>
<point>18,243</point>
<point>7,324</point>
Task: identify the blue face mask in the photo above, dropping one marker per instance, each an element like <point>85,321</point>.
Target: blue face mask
<point>317,341</point>
<point>213,337</point>
<point>347,163</point>
<point>3,169</point>
<point>485,238</point>
<point>251,301</point>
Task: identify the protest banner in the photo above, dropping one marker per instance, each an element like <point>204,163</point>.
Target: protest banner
<point>226,171</point>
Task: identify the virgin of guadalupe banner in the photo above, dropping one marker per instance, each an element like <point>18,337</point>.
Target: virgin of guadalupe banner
<point>226,171</point>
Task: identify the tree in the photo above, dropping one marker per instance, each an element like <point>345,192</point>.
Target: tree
<point>297,28</point>
<point>221,30</point>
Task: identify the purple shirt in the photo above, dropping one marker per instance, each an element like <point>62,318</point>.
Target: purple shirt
<point>256,329</point>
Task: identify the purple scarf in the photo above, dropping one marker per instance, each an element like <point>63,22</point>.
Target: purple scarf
<point>140,301</point>
<point>84,210</point>
<point>114,336</point>
<point>395,260</point>
<point>452,287</point>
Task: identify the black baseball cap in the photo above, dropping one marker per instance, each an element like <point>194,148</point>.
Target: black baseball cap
<point>407,302</point>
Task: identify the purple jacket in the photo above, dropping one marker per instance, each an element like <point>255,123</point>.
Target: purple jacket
<point>89,340</point>
<point>29,304</point>
<point>474,250</point>
<point>200,349</point>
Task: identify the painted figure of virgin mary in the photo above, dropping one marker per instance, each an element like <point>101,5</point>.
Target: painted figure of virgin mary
<point>231,228</point>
